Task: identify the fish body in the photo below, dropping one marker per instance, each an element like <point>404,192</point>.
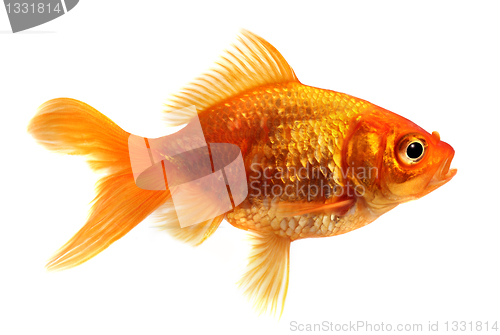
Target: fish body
<point>294,135</point>
<point>295,151</point>
<point>318,163</point>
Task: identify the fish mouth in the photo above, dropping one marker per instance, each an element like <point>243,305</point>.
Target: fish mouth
<point>443,175</point>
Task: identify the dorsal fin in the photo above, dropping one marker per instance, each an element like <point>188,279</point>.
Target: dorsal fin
<point>250,62</point>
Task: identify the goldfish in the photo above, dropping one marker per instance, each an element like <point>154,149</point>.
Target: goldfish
<point>317,163</point>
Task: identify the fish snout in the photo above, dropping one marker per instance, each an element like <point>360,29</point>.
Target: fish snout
<point>443,173</point>
<point>447,152</point>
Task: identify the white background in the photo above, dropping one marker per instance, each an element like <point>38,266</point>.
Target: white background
<point>435,259</point>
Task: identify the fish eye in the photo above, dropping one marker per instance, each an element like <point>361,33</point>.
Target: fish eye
<point>415,150</point>
<point>412,150</point>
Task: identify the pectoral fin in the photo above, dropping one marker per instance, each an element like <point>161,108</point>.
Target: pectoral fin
<point>287,209</point>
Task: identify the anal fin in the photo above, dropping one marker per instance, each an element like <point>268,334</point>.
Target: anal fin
<point>194,234</point>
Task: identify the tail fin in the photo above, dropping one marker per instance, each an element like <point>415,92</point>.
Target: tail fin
<point>73,127</point>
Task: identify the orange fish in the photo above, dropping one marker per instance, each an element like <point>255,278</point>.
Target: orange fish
<point>318,163</point>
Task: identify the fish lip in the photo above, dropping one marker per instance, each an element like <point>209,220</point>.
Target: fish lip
<point>443,175</point>
<point>446,177</point>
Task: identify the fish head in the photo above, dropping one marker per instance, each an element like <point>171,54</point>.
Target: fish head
<point>394,160</point>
